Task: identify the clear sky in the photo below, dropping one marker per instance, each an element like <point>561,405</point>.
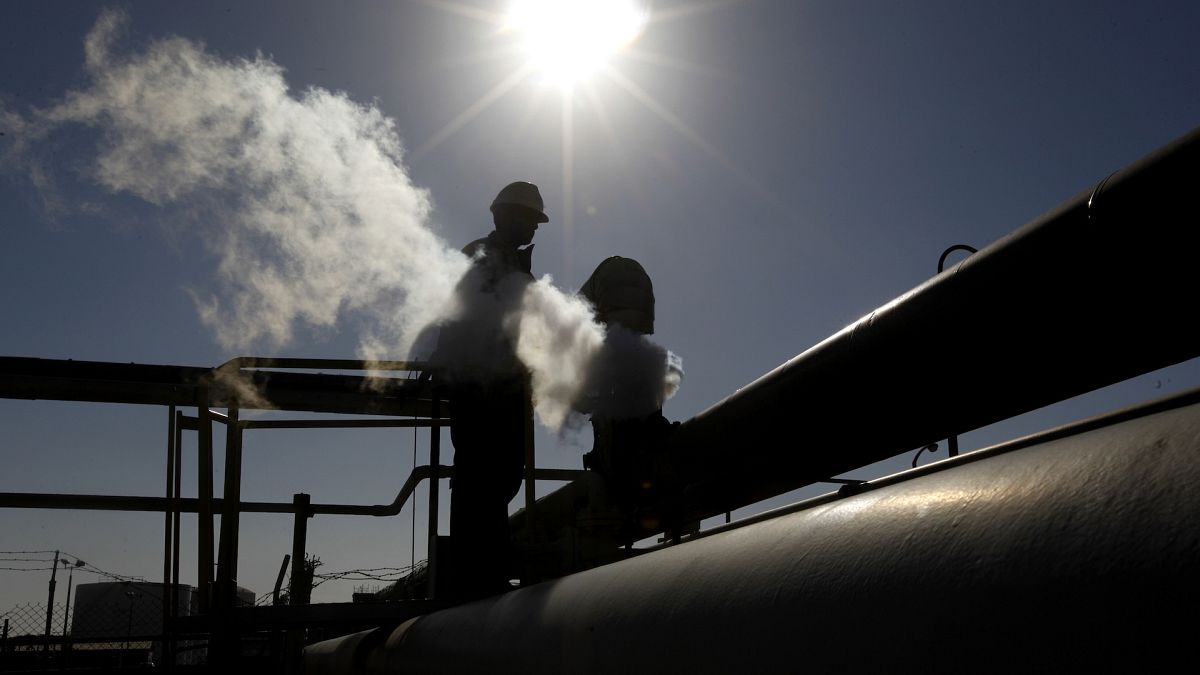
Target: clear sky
<point>779,167</point>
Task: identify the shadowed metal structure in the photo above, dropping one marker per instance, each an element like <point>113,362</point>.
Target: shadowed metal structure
<point>68,380</point>
<point>1051,554</point>
<point>1092,293</point>
<point>1057,554</point>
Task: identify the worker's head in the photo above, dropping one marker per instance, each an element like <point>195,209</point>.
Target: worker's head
<point>621,292</point>
<point>517,210</point>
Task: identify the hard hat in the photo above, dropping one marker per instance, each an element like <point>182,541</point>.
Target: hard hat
<point>522,193</point>
<point>622,293</point>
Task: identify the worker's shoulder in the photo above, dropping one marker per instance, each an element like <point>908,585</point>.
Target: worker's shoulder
<point>481,244</point>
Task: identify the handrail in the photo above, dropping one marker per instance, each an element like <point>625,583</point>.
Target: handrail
<point>84,502</point>
<point>239,362</point>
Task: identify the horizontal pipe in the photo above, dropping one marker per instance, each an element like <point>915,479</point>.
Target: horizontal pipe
<point>1188,398</point>
<point>191,423</point>
<point>30,500</point>
<point>316,364</point>
<point>343,424</point>
<point>1057,557</point>
<point>35,500</point>
<point>41,500</point>
<point>309,615</point>
<point>104,382</point>
<point>1094,292</point>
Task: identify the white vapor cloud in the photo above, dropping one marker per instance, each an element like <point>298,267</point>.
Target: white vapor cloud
<point>305,201</point>
<point>558,339</point>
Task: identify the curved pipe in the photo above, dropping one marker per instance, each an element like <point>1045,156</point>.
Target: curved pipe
<point>1096,291</point>
<point>952,249</point>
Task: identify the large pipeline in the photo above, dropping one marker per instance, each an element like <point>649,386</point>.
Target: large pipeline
<point>1075,552</point>
<point>1096,291</point>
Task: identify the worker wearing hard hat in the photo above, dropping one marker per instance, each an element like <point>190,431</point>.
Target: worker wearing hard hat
<point>621,292</point>
<point>625,382</point>
<point>516,212</point>
<point>488,390</point>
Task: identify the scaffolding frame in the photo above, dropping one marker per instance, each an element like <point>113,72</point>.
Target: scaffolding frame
<point>251,383</point>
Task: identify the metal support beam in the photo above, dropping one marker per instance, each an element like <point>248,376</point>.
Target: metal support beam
<point>226,587</point>
<point>204,528</point>
<point>530,464</point>
<point>300,587</point>
<point>435,458</point>
<point>168,538</point>
<point>279,579</point>
<point>226,644</point>
<point>174,508</point>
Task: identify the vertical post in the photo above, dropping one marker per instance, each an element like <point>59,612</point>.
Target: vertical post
<point>132,595</point>
<point>168,522</point>
<point>952,442</point>
<point>66,646</point>
<point>50,601</point>
<point>300,588</point>
<point>226,586</point>
<point>530,493</point>
<point>435,460</point>
<point>412,546</point>
<point>299,592</point>
<point>175,515</point>
<point>279,579</point>
<point>67,609</point>
<point>226,640</point>
<point>204,548</point>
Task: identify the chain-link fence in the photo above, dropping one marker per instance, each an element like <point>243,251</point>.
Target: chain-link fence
<point>104,633</point>
<point>30,619</point>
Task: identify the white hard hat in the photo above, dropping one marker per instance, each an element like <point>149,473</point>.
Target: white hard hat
<point>522,193</point>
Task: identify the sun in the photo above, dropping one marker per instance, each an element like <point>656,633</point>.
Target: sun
<point>565,42</point>
<point>568,40</point>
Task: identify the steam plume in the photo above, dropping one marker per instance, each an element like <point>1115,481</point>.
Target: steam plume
<point>304,199</point>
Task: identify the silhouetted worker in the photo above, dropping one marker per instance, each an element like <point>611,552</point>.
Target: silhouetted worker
<point>488,389</point>
<point>626,381</point>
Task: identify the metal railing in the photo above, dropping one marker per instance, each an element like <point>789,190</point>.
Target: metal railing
<point>240,384</point>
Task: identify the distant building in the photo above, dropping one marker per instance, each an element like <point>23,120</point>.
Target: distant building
<point>107,614</point>
<point>120,608</point>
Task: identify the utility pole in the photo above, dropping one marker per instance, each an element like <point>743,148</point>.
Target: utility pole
<point>50,601</point>
<point>70,579</point>
<point>132,595</point>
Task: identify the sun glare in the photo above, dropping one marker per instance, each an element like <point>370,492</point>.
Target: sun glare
<point>567,40</point>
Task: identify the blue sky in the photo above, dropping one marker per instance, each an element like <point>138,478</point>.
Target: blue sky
<point>780,168</point>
